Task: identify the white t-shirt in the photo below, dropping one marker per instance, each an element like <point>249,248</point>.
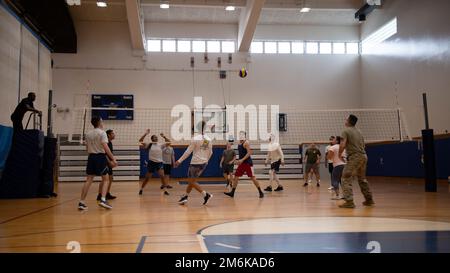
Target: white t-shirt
<point>275,152</point>
<point>155,153</point>
<point>337,161</point>
<point>326,150</point>
<point>167,155</point>
<point>94,140</point>
<point>201,149</point>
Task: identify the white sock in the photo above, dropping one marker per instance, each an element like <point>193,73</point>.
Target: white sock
<point>103,199</point>
<point>204,193</point>
<point>82,202</point>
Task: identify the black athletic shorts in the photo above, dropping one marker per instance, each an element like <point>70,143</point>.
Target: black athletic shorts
<point>97,165</point>
<point>167,169</point>
<point>153,166</point>
<point>228,168</point>
<point>276,165</point>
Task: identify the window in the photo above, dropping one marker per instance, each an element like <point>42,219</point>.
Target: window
<point>154,45</point>
<point>338,48</point>
<point>352,48</point>
<point>213,46</point>
<point>228,47</point>
<point>198,46</point>
<point>297,48</point>
<point>184,46</point>
<point>256,47</point>
<point>284,47</point>
<point>312,48</point>
<point>379,36</point>
<point>270,47</point>
<point>169,46</point>
<point>325,48</point>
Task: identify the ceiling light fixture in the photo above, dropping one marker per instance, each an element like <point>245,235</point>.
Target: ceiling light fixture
<point>101,4</point>
<point>305,9</point>
<point>164,5</point>
<point>230,8</point>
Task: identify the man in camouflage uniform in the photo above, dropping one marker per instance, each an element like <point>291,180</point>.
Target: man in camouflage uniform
<point>353,142</point>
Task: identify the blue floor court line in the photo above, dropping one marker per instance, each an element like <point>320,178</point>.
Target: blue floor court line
<point>345,242</point>
<point>141,244</point>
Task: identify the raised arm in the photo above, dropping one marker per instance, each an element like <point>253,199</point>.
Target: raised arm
<point>141,140</point>
<point>166,139</point>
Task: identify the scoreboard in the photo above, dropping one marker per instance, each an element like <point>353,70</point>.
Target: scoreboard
<point>113,101</point>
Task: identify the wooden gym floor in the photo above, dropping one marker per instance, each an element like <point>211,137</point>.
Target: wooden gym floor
<point>156,223</point>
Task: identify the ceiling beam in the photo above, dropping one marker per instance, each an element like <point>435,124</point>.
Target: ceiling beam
<point>136,27</point>
<point>269,4</point>
<point>247,23</point>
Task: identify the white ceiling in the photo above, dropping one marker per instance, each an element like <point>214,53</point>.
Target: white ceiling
<point>286,12</point>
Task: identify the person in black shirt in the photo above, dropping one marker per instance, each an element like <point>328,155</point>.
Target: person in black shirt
<point>24,106</point>
<point>111,135</point>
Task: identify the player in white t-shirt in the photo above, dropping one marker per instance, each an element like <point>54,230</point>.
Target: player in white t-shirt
<point>155,160</point>
<point>328,162</point>
<point>97,164</point>
<point>275,156</point>
<point>201,150</point>
<point>338,166</point>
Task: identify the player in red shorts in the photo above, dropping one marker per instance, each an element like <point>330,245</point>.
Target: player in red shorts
<point>245,165</point>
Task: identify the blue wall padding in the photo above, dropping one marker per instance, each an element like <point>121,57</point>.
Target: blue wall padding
<point>212,170</point>
<point>443,158</point>
<point>404,159</point>
<point>6,134</point>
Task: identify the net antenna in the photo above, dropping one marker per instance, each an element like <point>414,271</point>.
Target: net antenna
<point>86,101</point>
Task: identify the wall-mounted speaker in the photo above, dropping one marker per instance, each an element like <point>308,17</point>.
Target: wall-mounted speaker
<point>282,122</point>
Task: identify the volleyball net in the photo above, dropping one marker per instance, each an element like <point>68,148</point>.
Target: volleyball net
<point>301,126</point>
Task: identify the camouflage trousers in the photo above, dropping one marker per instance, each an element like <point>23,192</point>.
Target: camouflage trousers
<point>355,169</point>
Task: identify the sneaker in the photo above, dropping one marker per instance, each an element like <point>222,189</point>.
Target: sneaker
<point>318,184</point>
<point>348,205</point>
<point>169,187</point>
<point>230,194</point>
<point>279,188</point>
<point>269,188</point>
<point>82,206</point>
<point>140,192</point>
<point>109,196</point>
<point>330,188</point>
<point>162,187</point>
<point>261,194</point>
<point>105,204</point>
<point>207,198</point>
<point>336,197</point>
<point>99,197</point>
<point>368,203</point>
<point>306,184</point>
<point>166,193</point>
<point>183,200</point>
